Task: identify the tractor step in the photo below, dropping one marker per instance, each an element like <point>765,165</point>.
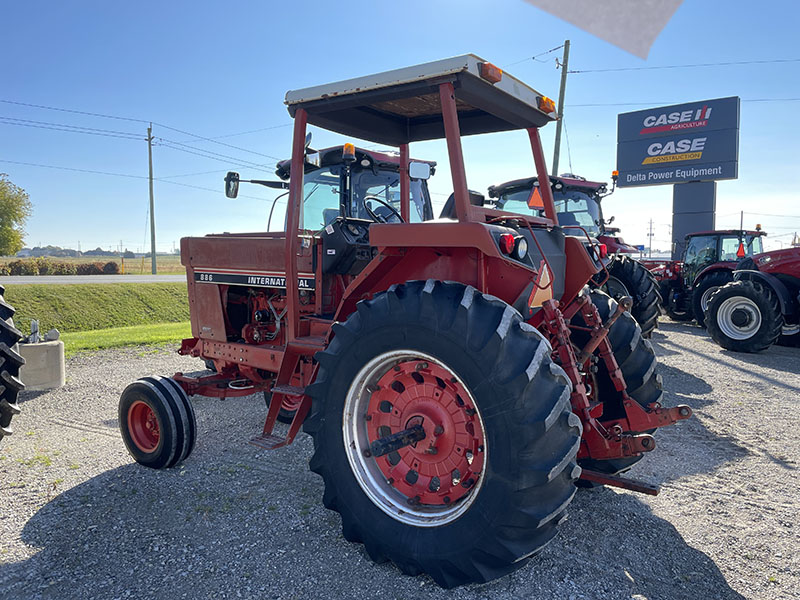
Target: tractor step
<point>621,482</point>
<point>268,442</point>
<point>289,390</point>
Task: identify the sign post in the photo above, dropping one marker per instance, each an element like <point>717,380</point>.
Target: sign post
<point>692,145</point>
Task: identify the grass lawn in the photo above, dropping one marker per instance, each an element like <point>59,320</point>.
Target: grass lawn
<point>83,307</point>
<point>138,335</point>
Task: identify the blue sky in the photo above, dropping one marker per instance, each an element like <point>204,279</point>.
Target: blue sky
<point>216,69</point>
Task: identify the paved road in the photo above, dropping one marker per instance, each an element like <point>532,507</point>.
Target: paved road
<point>62,279</point>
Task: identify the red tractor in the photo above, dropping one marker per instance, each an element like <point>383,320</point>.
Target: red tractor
<point>761,306</point>
<point>458,376</point>
<point>709,260</point>
<point>579,210</point>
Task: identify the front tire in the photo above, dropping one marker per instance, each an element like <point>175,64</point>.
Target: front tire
<point>744,316</point>
<point>640,285</point>
<point>494,407</point>
<point>157,422</point>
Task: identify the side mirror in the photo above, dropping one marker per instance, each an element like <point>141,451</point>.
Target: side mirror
<point>611,220</point>
<point>419,170</point>
<point>232,184</point>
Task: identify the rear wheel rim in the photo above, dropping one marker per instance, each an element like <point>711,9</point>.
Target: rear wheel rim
<point>739,318</point>
<point>143,426</point>
<point>706,296</point>
<point>431,482</point>
<point>615,288</point>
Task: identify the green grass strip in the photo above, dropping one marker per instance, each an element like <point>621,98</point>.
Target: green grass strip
<point>82,307</point>
<point>139,335</point>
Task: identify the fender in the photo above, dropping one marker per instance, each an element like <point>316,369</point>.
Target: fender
<point>789,305</point>
<point>717,266</point>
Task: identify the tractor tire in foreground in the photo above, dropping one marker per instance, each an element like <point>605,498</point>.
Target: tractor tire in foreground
<point>703,291</point>
<point>744,316</point>
<point>490,481</point>
<point>629,277</point>
<point>157,422</point>
<point>636,360</point>
<point>10,363</point>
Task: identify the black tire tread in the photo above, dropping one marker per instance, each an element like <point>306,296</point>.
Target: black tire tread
<point>642,286</point>
<point>718,278</point>
<point>537,406</point>
<point>772,319</point>
<point>637,361</point>
<point>10,363</point>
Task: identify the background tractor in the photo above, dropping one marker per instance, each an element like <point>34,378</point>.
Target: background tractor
<point>10,363</point>
<point>457,375</point>
<point>580,212</point>
<point>761,306</point>
<point>708,263</point>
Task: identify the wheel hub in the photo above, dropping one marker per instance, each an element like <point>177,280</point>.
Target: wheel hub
<point>740,317</point>
<point>426,433</point>
<point>445,464</point>
<point>143,426</point>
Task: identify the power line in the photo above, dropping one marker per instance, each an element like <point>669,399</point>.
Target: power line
<point>209,154</point>
<point>69,128</point>
<point>691,66</point>
<point>128,175</point>
<point>77,112</point>
<point>193,135</point>
<point>535,57</point>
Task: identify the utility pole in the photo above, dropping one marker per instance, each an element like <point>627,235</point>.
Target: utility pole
<point>650,244</point>
<point>564,63</point>
<point>152,205</point>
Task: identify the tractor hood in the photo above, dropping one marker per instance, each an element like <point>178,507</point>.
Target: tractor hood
<point>785,261</point>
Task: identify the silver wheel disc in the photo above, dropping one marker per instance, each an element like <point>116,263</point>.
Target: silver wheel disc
<point>706,295</point>
<point>739,318</point>
<point>371,475</point>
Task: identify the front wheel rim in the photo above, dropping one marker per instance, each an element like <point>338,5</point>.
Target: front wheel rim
<point>143,427</point>
<point>431,482</point>
<point>739,318</point>
<point>615,288</point>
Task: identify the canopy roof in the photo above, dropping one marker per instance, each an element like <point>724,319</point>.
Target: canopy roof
<point>402,106</point>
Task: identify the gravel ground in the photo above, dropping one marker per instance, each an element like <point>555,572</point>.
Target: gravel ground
<point>78,519</point>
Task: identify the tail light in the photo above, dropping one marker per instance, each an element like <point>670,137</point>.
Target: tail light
<point>603,249</point>
<point>507,243</point>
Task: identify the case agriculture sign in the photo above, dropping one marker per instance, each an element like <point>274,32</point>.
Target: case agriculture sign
<point>698,141</point>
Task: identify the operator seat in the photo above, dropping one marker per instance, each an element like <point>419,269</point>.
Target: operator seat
<point>567,218</point>
<point>449,210</point>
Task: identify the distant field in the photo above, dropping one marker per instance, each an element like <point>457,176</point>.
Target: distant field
<point>72,308</point>
<point>166,265</point>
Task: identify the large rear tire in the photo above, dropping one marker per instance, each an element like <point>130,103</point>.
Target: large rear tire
<point>481,383</point>
<point>744,316</point>
<point>702,292</point>
<point>636,360</point>
<point>10,363</point>
<point>157,422</point>
<point>641,285</point>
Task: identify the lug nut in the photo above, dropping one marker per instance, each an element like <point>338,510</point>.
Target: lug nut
<point>438,430</point>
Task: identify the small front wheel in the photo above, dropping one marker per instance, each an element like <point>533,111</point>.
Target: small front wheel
<point>157,422</point>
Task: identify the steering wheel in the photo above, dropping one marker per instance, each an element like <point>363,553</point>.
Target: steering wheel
<point>376,217</point>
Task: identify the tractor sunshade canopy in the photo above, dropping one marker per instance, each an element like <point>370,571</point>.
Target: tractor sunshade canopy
<point>401,106</point>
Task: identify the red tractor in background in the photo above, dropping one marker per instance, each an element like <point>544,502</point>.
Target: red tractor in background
<point>709,260</point>
<point>580,212</point>
<point>457,375</point>
<point>761,306</point>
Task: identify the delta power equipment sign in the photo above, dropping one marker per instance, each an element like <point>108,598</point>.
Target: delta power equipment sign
<point>698,141</point>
